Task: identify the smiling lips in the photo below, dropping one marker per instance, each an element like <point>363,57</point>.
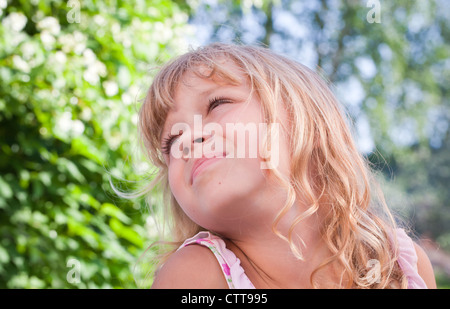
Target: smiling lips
<point>201,163</point>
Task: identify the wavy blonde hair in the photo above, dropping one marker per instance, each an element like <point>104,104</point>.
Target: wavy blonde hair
<point>359,227</point>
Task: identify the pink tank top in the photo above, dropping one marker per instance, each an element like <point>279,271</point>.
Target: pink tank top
<point>237,279</point>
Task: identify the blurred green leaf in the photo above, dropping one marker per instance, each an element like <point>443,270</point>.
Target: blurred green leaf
<point>5,189</point>
<point>68,95</point>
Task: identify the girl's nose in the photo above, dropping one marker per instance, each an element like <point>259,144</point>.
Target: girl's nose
<point>196,150</point>
<point>199,140</point>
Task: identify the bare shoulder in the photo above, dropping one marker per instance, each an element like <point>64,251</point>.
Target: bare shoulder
<point>192,267</point>
<point>424,267</point>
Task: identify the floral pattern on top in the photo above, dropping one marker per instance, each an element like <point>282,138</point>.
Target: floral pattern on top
<point>233,272</point>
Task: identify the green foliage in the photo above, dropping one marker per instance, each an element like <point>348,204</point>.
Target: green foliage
<point>68,98</point>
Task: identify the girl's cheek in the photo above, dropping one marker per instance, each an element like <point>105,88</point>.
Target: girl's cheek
<point>173,183</point>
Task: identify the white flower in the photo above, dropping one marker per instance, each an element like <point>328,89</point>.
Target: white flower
<point>67,42</point>
<point>59,83</point>
<point>21,64</point>
<point>77,127</point>
<point>80,45</point>
<point>64,123</point>
<point>111,88</point>
<point>100,20</point>
<point>89,56</point>
<point>51,24</point>
<point>60,57</point>
<point>15,21</point>
<point>28,50</point>
<point>47,39</point>
<point>86,114</point>
<point>95,68</point>
<point>79,48</point>
<point>126,99</point>
<point>91,76</point>
<point>53,234</point>
<point>73,100</point>
<point>134,119</point>
<point>101,68</point>
<point>3,5</point>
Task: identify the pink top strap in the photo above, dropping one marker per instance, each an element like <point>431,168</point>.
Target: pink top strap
<point>230,264</point>
<point>407,260</point>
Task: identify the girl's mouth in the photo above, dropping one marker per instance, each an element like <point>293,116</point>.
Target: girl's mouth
<point>202,163</point>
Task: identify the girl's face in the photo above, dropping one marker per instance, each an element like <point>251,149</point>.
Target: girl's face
<point>214,160</point>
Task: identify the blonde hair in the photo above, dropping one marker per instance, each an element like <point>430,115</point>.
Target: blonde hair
<point>359,227</point>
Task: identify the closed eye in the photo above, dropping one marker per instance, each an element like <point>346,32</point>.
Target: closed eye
<point>213,103</point>
<point>168,141</point>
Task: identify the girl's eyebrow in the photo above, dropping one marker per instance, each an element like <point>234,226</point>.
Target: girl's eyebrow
<point>207,92</point>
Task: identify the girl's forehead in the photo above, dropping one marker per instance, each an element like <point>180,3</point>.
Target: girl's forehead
<point>223,71</point>
<point>201,81</point>
<point>199,85</point>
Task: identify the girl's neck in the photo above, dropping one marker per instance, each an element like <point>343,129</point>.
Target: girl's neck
<point>268,260</point>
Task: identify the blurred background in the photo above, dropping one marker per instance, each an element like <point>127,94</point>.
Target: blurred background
<point>73,75</point>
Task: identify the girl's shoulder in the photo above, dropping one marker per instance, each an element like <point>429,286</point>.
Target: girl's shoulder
<point>230,265</point>
<point>190,267</point>
<point>414,262</point>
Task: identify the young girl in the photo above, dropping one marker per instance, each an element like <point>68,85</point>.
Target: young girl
<point>303,212</point>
